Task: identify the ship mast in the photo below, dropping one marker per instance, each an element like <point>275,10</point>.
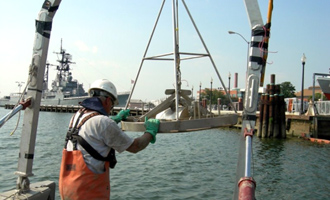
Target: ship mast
<point>65,62</point>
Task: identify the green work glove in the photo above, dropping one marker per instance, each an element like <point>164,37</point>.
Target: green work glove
<point>122,115</point>
<point>152,126</point>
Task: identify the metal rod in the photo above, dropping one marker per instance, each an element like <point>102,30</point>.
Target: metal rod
<point>248,49</point>
<point>302,89</point>
<point>10,114</point>
<point>206,49</point>
<point>194,55</point>
<point>161,55</point>
<point>145,52</point>
<point>176,56</point>
<point>188,58</point>
<point>200,54</point>
<point>248,156</point>
<point>313,90</point>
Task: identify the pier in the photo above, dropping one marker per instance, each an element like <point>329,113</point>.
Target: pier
<point>295,125</point>
<point>73,109</point>
<point>300,125</point>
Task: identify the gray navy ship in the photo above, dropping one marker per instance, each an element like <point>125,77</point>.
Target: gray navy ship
<point>64,89</point>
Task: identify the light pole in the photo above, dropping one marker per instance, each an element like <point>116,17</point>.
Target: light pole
<point>248,46</point>
<point>229,75</point>
<point>303,61</point>
<point>19,86</point>
<point>211,95</point>
<point>200,91</point>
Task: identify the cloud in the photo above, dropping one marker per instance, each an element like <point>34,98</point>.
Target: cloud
<point>94,49</point>
<point>82,46</point>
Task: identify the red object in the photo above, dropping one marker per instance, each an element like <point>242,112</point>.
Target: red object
<point>26,103</point>
<point>248,133</point>
<point>290,105</point>
<point>246,188</point>
<point>204,103</point>
<point>321,141</point>
<point>327,95</point>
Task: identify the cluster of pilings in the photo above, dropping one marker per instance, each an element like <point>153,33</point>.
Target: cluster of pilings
<point>272,112</point>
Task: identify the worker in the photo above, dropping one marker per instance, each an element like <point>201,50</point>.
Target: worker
<point>91,142</point>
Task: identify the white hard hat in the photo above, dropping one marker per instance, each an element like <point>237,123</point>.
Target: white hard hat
<point>103,87</point>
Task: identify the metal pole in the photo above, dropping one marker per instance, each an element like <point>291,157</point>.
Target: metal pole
<point>229,86</point>
<point>211,96</point>
<point>303,60</point>
<point>302,90</point>
<point>313,91</point>
<point>248,47</point>
<point>200,91</point>
<point>4,119</point>
<point>248,156</point>
<point>176,57</point>
<point>144,55</point>
<point>19,86</point>
<point>208,53</point>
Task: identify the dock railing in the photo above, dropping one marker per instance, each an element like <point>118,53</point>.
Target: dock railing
<point>322,107</point>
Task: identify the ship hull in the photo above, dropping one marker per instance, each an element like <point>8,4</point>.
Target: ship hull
<point>71,101</point>
<point>324,83</point>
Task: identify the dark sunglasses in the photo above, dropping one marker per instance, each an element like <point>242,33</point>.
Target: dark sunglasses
<point>112,101</point>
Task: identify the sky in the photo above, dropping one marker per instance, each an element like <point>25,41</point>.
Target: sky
<point>107,39</point>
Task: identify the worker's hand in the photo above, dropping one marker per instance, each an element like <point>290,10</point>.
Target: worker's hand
<point>152,126</point>
<point>122,115</point>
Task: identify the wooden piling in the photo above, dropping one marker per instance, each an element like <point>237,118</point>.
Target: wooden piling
<point>277,116</point>
<point>272,112</point>
<point>277,89</point>
<point>261,113</point>
<point>265,116</point>
<point>271,116</point>
<point>272,79</point>
<point>277,112</point>
<point>271,91</point>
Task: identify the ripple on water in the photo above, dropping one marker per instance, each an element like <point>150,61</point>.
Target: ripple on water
<point>194,165</point>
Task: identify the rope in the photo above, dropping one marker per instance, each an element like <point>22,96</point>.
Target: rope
<point>19,113</point>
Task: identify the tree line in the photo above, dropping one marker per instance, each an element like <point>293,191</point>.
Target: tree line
<point>287,89</point>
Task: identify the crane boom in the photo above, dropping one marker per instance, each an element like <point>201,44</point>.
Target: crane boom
<point>258,52</point>
<point>35,86</point>
<point>253,12</point>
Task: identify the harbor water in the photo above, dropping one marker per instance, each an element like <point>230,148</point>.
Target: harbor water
<point>192,165</point>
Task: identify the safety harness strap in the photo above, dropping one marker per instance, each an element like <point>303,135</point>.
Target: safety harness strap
<point>73,135</point>
<point>91,150</point>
